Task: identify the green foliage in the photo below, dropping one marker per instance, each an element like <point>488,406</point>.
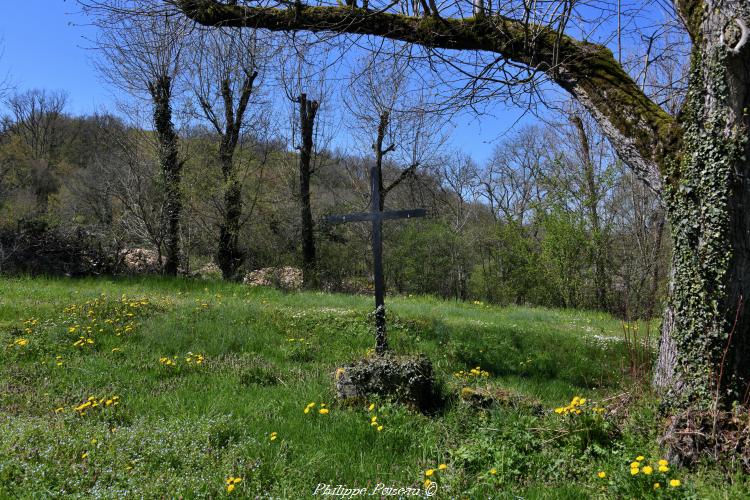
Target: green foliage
<point>513,275</point>
<point>428,257</point>
<point>102,179</point>
<point>565,258</point>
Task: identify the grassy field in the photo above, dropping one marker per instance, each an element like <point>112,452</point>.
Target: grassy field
<point>170,388</point>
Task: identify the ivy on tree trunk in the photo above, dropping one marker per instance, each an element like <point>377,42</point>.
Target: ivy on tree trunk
<point>171,168</point>
<point>229,256</point>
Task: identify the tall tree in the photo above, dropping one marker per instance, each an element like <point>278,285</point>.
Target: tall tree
<point>699,159</point>
<point>307,111</point>
<point>225,67</point>
<point>143,54</point>
<point>302,74</point>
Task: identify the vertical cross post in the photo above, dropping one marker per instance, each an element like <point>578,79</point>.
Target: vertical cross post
<point>377,217</point>
<point>381,339</point>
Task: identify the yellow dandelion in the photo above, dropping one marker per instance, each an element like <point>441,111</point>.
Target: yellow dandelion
<point>674,483</point>
<point>663,463</point>
<point>274,435</point>
<point>635,465</point>
<point>442,467</point>
<point>648,470</point>
<point>663,468</point>
<point>429,472</point>
<point>601,474</point>
<point>323,411</point>
<point>640,458</point>
<point>379,428</point>
<point>493,471</point>
<point>657,486</point>
<point>371,407</point>
<point>634,471</point>
<point>427,483</point>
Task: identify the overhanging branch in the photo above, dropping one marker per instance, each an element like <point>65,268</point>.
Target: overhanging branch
<point>639,129</point>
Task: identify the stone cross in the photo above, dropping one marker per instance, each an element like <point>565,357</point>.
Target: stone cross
<point>377,217</point>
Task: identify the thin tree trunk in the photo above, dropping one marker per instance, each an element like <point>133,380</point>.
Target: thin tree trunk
<point>592,207</point>
<point>380,154</point>
<point>171,167</point>
<point>307,110</point>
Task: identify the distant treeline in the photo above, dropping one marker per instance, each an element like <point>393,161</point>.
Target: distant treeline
<point>551,219</point>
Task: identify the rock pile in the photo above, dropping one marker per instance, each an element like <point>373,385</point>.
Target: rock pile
<point>284,278</point>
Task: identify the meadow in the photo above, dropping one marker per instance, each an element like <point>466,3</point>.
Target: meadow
<point>167,388</point>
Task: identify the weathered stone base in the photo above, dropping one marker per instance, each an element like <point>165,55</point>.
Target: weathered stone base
<point>406,379</point>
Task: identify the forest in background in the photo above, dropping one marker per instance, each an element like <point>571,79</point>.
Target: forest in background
<point>230,149</point>
<point>552,219</point>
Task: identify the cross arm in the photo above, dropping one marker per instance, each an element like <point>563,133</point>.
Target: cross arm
<point>370,216</point>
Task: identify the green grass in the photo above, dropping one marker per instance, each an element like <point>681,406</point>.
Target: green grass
<point>182,430</point>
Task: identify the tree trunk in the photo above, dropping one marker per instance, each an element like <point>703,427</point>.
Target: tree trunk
<point>307,110</point>
<point>171,167</point>
<point>229,257</point>
<point>705,345</point>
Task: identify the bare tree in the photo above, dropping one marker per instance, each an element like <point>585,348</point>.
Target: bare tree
<point>591,188</point>
<point>129,191</point>
<point>393,116</point>
<point>458,175</point>
<point>143,54</point>
<point>6,83</point>
<point>511,181</point>
<point>36,116</point>
<point>303,74</point>
<point>224,76</point>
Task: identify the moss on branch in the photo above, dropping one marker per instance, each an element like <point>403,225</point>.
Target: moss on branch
<point>578,67</point>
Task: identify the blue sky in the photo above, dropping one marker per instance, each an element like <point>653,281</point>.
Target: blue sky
<point>45,46</point>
